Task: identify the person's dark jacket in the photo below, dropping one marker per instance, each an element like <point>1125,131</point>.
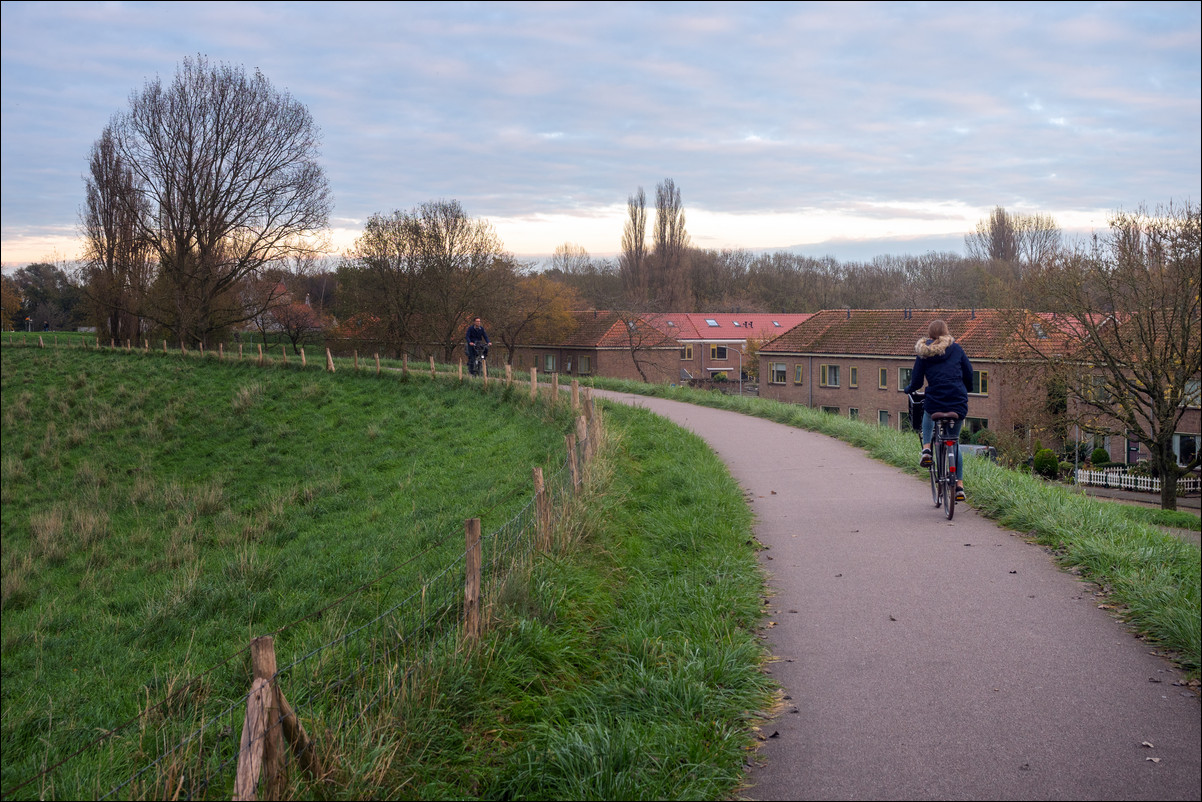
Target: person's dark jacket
<point>945,368</point>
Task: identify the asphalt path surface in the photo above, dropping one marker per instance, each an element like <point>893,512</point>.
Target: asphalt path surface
<point>928,659</point>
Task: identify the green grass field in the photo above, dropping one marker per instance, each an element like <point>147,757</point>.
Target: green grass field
<point>159,511</point>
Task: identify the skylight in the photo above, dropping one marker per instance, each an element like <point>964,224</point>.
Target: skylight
<point>735,324</point>
<point>776,323</point>
<point>711,322</point>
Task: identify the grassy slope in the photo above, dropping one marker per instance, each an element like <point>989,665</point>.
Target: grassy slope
<point>226,500</point>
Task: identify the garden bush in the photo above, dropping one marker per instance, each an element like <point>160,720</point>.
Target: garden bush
<point>1047,464</point>
<point>1100,456</point>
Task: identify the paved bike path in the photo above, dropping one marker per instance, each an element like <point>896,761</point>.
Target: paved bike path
<point>928,659</point>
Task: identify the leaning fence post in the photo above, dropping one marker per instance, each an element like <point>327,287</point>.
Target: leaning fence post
<point>471,587</point>
<point>329,361</point>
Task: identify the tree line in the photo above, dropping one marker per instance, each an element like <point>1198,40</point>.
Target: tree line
<point>206,213</point>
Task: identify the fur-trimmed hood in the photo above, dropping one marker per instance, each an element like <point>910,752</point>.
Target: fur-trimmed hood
<point>933,348</point>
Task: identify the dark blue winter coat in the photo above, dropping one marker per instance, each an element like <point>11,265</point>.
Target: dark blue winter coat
<point>945,368</point>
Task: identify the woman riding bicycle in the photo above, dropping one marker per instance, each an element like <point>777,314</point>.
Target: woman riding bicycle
<point>945,368</point>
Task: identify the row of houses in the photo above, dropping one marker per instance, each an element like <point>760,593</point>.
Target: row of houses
<point>846,362</point>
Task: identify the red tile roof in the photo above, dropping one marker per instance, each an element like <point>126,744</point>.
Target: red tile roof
<point>984,333</point>
<point>707,326</point>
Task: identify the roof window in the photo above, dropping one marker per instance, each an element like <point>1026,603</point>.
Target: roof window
<point>709,321</point>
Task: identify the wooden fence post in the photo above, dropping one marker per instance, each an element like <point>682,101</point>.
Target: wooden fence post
<point>250,752</point>
<point>533,383</point>
<point>460,370</point>
<point>575,395</point>
<point>284,353</point>
<point>508,375</point>
<point>542,517</point>
<point>471,587</point>
<point>583,437</point>
<point>329,361</point>
<point>569,440</point>
<point>404,364</point>
<point>220,352</point>
<point>356,360</point>
<point>262,737</point>
<point>433,374</point>
<point>260,353</point>
<point>304,362</point>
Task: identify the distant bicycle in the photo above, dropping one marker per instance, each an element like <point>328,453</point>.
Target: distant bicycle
<point>478,352</point>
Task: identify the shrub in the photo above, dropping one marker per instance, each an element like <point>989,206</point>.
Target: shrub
<point>1099,456</point>
<point>1066,469</point>
<point>1047,464</point>
<point>986,437</point>
<point>720,377</point>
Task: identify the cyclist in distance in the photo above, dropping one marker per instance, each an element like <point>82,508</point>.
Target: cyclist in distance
<point>945,368</point>
<point>476,336</point>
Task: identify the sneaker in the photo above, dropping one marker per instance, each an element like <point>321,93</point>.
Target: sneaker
<point>959,494</point>
<point>925,462</point>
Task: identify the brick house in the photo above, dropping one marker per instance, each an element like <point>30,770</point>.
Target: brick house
<point>855,362</point>
<point>606,344</point>
<point>712,344</point>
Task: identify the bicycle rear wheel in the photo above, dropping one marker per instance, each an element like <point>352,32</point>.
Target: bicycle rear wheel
<point>948,483</point>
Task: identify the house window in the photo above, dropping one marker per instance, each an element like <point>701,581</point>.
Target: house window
<point>586,365</point>
<point>853,377</point>
<point>980,382</point>
<point>1185,446</point>
<point>717,352</point>
<point>829,376</point>
<point>882,415</point>
<point>831,410</point>
<point>548,363</point>
<point>777,372</point>
<point>853,413</point>
<point>686,353</point>
<point>799,373</point>
<point>1192,396</point>
<point>567,365</point>
<point>903,377</point>
<point>1097,389</point>
<point>883,380</point>
<point>974,425</point>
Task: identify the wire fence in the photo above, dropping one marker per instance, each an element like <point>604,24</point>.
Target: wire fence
<point>190,743</point>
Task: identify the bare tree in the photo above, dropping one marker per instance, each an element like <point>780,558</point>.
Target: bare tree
<point>227,167</point>
<point>537,309</point>
<point>1007,246</point>
<point>116,260</point>
<point>632,265</point>
<point>382,276</point>
<point>596,281</point>
<point>670,283</point>
<point>1129,314</point>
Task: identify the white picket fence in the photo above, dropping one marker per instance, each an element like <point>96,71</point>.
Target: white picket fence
<point>1119,479</point>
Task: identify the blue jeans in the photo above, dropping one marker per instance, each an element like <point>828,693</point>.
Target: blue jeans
<point>928,431</point>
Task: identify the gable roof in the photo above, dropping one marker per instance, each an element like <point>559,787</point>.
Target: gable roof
<point>984,333</point>
<point>604,329</point>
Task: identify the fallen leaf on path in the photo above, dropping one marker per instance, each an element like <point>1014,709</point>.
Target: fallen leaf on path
<point>1147,744</point>
<point>1153,759</point>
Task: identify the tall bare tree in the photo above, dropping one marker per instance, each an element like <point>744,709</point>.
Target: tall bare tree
<point>1129,312</point>
<point>116,260</point>
<point>1006,247</point>
<point>671,249</point>
<point>227,167</point>
<point>632,264</point>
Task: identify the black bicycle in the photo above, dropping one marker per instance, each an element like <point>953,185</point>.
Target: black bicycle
<point>944,470</point>
<point>477,353</point>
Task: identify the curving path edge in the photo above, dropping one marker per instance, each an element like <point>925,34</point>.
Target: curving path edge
<point>928,659</point>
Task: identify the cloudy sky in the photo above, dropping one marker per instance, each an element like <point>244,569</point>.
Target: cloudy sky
<point>849,129</point>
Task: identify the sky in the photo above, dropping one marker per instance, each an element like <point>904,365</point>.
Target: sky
<point>843,129</point>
